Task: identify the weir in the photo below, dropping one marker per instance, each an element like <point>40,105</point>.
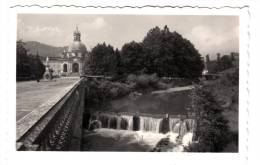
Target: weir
<point>154,124</point>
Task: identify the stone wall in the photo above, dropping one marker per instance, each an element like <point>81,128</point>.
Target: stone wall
<point>59,129</point>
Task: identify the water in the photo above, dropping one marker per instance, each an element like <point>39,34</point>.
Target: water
<point>117,130</point>
<point>127,140</point>
<point>147,124</point>
<point>129,120</point>
<point>173,103</point>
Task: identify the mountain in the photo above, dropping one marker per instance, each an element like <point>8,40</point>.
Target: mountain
<point>44,50</point>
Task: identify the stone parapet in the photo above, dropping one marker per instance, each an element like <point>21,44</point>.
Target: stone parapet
<point>57,126</point>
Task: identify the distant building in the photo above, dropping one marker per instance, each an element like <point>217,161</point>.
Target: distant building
<point>71,60</point>
<point>221,63</point>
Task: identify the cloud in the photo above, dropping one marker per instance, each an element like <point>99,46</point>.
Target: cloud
<point>96,24</point>
<point>211,40</point>
<point>41,33</point>
<point>209,34</point>
<point>206,37</point>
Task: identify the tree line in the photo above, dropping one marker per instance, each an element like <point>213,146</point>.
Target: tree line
<point>28,66</point>
<point>163,52</point>
<point>221,63</point>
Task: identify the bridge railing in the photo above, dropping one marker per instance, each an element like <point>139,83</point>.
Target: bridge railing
<point>58,129</point>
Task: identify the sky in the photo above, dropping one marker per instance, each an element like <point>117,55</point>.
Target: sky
<point>209,34</point>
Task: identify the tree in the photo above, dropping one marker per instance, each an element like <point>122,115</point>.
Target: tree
<point>225,62</point>
<point>38,68</point>
<point>132,57</point>
<point>102,60</point>
<point>27,66</point>
<point>212,128</point>
<point>169,54</point>
<point>119,65</point>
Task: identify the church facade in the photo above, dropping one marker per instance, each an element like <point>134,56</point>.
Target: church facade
<point>71,60</point>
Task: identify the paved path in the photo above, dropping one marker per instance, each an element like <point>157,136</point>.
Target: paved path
<point>30,94</point>
<point>176,89</point>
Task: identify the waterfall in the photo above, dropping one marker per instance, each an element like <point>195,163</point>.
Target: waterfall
<point>182,126</point>
<point>146,129</point>
<point>150,124</point>
<point>129,120</point>
<point>174,125</point>
<point>147,124</point>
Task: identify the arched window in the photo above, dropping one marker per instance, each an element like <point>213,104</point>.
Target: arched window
<point>75,67</point>
<point>65,68</point>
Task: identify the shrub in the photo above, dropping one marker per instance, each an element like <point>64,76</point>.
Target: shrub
<point>99,91</point>
<point>212,127</point>
<point>161,86</point>
<point>131,78</point>
<point>154,79</point>
<point>143,80</point>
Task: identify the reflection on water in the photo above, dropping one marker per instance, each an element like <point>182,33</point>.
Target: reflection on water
<point>172,103</point>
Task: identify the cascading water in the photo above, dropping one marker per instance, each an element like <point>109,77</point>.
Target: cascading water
<point>174,125</point>
<point>180,131</point>
<point>150,124</point>
<point>147,124</point>
<point>129,120</point>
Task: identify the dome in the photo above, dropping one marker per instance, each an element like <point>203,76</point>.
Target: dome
<point>77,46</point>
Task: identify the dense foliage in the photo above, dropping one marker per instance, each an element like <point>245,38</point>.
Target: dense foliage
<point>28,66</point>
<point>169,54</point>
<point>223,63</point>
<point>212,128</point>
<point>165,53</point>
<point>132,57</point>
<point>103,60</point>
<point>101,91</point>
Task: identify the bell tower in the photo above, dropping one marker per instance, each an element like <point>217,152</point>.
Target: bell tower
<point>76,34</point>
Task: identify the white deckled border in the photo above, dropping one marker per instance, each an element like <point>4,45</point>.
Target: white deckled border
<point>13,157</point>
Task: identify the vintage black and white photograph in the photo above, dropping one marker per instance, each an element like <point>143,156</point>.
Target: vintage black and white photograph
<point>127,83</point>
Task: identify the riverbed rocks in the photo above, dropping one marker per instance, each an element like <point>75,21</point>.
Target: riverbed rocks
<point>94,125</point>
<point>164,145</point>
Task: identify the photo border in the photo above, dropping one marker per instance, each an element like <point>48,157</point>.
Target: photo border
<point>241,157</point>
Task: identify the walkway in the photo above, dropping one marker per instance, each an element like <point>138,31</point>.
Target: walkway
<point>30,95</point>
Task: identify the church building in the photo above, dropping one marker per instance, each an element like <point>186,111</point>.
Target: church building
<point>71,61</point>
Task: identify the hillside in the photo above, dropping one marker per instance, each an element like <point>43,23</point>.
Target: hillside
<point>44,50</point>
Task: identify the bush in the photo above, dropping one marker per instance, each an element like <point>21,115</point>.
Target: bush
<point>154,80</point>
<point>99,91</point>
<point>230,77</point>
<point>131,78</point>
<point>143,81</point>
<point>146,82</point>
<point>212,127</point>
<point>161,86</point>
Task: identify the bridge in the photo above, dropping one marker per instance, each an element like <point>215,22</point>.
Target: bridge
<point>50,114</point>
